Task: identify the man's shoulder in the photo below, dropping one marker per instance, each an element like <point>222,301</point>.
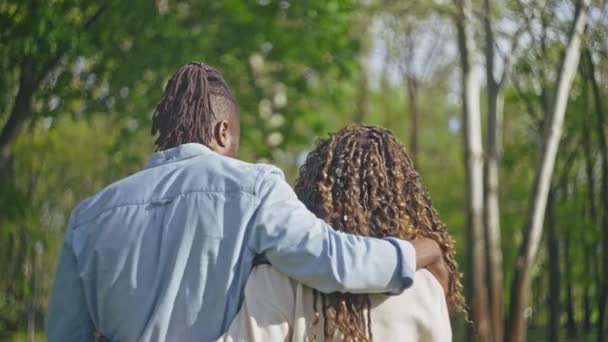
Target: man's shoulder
<point>241,165</point>
<point>246,168</point>
<point>115,194</point>
<point>243,175</point>
<point>201,174</point>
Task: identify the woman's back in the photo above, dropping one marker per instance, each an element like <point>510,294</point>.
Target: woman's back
<point>277,308</point>
<point>361,181</point>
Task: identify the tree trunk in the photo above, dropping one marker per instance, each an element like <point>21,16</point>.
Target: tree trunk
<point>20,112</point>
<point>586,310</point>
<point>591,208</point>
<point>602,333</point>
<point>412,100</point>
<point>538,290</point>
<point>492,215</point>
<point>553,259</point>
<point>542,179</point>
<point>385,88</point>
<point>32,299</point>
<point>492,210</point>
<point>477,291</point>
<point>362,109</point>
<point>570,321</point>
<point>587,142</point>
<point>32,72</point>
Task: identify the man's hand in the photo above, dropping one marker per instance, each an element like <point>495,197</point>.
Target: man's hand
<point>427,252</point>
<point>429,256</point>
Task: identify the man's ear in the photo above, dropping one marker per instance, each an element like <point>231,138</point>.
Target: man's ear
<point>221,134</point>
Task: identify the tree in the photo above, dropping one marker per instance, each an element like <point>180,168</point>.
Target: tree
<point>495,99</point>
<point>416,45</point>
<point>477,290</point>
<point>554,118</point>
<point>362,108</point>
<point>592,211</point>
<point>73,68</point>
<point>553,298</point>
<point>34,61</point>
<point>121,53</point>
<point>602,332</point>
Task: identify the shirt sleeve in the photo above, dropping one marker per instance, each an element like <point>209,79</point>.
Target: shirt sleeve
<point>68,317</point>
<point>307,249</point>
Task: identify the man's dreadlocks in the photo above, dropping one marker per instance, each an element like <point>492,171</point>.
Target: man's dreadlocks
<point>195,97</point>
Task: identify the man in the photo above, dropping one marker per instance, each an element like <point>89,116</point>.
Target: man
<point>164,254</point>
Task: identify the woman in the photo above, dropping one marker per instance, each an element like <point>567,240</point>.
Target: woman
<point>360,177</point>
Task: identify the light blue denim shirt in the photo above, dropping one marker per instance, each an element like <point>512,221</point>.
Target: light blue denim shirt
<point>164,254</point>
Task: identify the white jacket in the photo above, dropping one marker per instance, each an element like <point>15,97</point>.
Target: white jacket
<point>277,308</point>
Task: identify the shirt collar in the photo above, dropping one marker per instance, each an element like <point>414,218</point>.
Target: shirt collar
<point>177,153</point>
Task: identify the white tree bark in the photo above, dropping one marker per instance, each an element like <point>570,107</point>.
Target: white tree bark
<point>494,139</point>
<point>542,181</point>
<point>476,285</point>
<point>492,213</point>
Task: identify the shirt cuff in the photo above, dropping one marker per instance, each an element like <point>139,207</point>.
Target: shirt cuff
<point>406,266</point>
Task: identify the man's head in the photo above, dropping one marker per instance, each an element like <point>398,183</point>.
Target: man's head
<point>197,107</point>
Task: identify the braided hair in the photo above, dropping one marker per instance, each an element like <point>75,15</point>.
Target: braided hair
<point>362,181</point>
<point>195,97</point>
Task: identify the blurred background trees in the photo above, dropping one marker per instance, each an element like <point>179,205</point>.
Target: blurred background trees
<point>502,104</point>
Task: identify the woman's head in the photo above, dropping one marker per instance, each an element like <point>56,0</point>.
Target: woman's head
<point>362,181</point>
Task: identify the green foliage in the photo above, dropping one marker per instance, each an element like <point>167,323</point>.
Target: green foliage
<point>294,67</point>
<point>100,69</point>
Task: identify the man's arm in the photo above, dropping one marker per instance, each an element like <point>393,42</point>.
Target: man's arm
<point>304,247</point>
<point>68,318</point>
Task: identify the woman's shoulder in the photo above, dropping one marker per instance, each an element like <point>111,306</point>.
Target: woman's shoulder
<point>420,312</point>
<point>424,279</point>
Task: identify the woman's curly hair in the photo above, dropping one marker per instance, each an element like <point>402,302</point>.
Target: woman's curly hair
<point>361,181</point>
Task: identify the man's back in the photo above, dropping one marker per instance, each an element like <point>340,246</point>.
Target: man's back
<point>163,255</point>
<point>151,253</point>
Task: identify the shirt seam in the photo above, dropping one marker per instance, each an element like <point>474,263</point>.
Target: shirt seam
<point>264,171</point>
<point>256,201</point>
<point>176,159</point>
<point>136,203</point>
<point>170,161</point>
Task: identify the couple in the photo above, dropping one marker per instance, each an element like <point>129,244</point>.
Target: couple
<point>200,246</point>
